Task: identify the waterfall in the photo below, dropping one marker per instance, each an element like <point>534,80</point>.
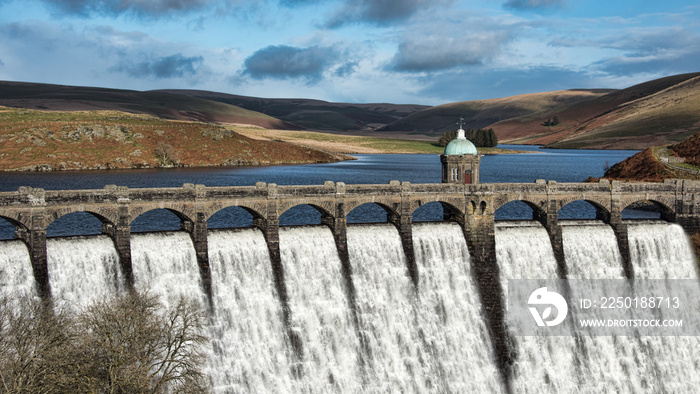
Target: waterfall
<point>662,251</point>
<point>384,303</point>
<point>461,357</point>
<point>618,364</point>
<point>16,275</point>
<point>165,265</point>
<point>321,314</point>
<point>544,364</point>
<point>83,269</point>
<point>249,350</point>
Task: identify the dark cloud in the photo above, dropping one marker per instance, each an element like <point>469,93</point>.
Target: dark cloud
<point>137,7</point>
<point>432,52</point>
<point>173,66</point>
<point>534,4</point>
<point>379,12</point>
<point>287,62</point>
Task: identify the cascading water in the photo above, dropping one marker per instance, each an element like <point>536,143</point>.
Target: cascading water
<point>450,320</point>
<point>662,251</point>
<point>249,350</point>
<point>544,364</point>
<point>16,275</point>
<point>83,269</point>
<point>392,356</point>
<point>165,265</point>
<point>320,313</point>
<point>618,363</point>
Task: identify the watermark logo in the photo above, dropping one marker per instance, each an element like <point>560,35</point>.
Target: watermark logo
<point>551,298</point>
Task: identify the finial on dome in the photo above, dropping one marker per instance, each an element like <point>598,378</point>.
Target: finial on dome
<point>460,132</point>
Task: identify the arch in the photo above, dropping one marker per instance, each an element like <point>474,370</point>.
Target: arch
<point>301,214</point>
<point>518,210</point>
<point>160,220</point>
<point>253,211</point>
<point>370,212</point>
<point>538,206</point>
<point>582,209</point>
<point>8,227</point>
<point>233,216</point>
<point>64,223</point>
<point>434,211</point>
<point>647,209</point>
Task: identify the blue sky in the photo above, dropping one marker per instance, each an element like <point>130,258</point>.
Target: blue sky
<point>400,51</point>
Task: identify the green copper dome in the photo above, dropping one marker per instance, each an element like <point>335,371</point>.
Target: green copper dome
<point>460,145</point>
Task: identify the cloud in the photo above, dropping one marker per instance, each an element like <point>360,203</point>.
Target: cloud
<point>173,66</point>
<point>432,52</point>
<point>665,50</point>
<point>380,12</point>
<point>288,62</point>
<point>117,7</point>
<point>534,4</point>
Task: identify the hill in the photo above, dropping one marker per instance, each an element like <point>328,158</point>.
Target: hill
<point>657,112</point>
<point>157,103</point>
<point>484,113</point>
<point>681,160</point>
<point>34,140</point>
<point>314,114</point>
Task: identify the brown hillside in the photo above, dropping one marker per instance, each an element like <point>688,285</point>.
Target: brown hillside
<point>653,113</point>
<point>47,140</point>
<point>689,149</point>
<point>161,104</point>
<point>642,166</point>
<point>481,113</point>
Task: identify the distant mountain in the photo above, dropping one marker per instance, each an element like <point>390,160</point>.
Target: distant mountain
<point>314,114</point>
<point>484,113</point>
<point>657,112</point>
<point>162,104</point>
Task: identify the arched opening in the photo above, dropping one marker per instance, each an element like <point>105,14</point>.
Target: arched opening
<point>304,214</point>
<point>7,229</point>
<point>647,210</point>
<point>369,213</point>
<point>518,210</point>
<point>159,219</point>
<point>435,211</point>
<point>582,210</point>
<point>231,217</point>
<point>76,223</point>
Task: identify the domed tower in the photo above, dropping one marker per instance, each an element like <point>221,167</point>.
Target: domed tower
<point>460,162</point>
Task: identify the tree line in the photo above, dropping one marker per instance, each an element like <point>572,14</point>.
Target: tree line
<point>128,344</point>
<point>481,138</point>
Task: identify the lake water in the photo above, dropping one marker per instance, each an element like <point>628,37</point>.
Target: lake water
<point>548,164</point>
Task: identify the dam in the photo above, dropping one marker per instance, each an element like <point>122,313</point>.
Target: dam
<point>400,306</point>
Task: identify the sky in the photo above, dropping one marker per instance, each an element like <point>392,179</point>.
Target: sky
<point>427,52</point>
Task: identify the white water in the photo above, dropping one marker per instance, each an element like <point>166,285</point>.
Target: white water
<point>429,340</point>
<point>618,364</point>
<point>452,327</point>
<point>16,275</point>
<point>662,251</point>
<point>165,265</point>
<point>83,269</point>
<point>249,350</point>
<point>384,302</point>
<point>321,314</point>
<point>544,364</point>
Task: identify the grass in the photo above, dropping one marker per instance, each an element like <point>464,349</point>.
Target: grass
<point>352,144</point>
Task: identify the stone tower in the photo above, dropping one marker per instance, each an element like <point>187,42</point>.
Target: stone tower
<point>460,162</point>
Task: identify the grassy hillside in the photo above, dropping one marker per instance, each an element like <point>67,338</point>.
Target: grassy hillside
<point>161,104</point>
<point>483,113</point>
<point>314,114</point>
<point>49,140</point>
<point>653,113</point>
